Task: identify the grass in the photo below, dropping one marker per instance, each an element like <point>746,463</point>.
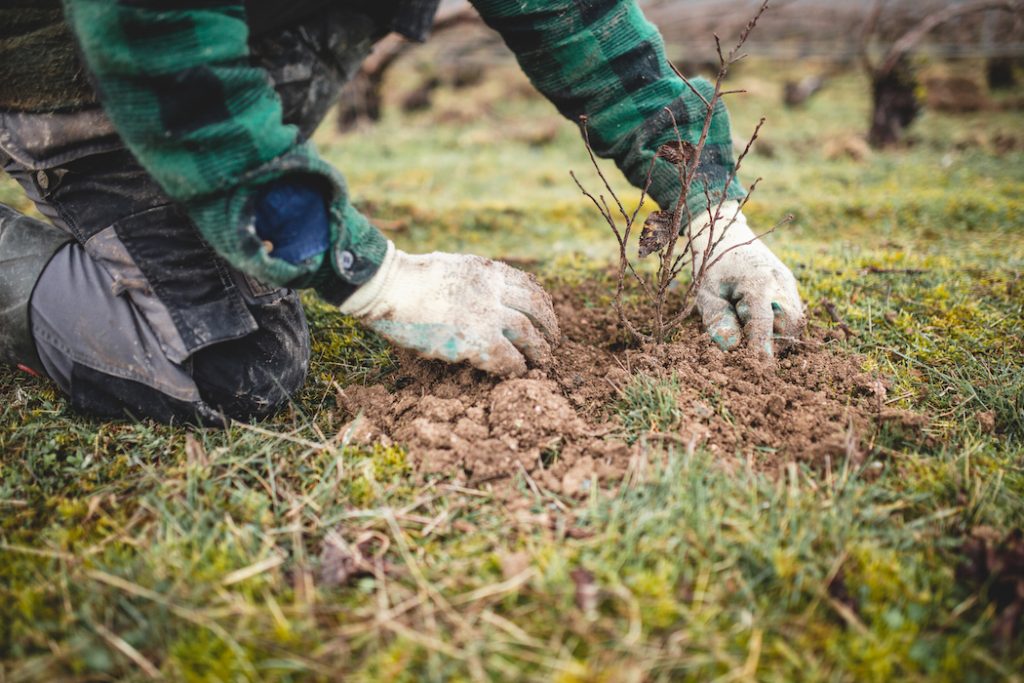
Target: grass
<point>649,404</point>
<point>133,551</point>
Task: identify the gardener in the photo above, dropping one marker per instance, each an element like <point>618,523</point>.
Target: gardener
<point>167,144</point>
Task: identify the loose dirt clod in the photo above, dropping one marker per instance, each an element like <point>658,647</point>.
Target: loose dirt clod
<point>559,427</point>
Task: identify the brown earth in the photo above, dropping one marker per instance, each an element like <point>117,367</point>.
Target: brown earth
<point>815,405</point>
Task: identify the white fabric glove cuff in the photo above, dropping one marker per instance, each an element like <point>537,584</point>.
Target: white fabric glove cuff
<point>366,296</point>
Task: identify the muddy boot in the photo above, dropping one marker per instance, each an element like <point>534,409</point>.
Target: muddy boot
<point>26,246</point>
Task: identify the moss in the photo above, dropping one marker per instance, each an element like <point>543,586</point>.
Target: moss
<point>392,663</point>
<point>198,655</point>
<point>378,466</point>
<point>344,351</point>
<point>361,492</point>
<point>389,462</point>
<point>655,590</point>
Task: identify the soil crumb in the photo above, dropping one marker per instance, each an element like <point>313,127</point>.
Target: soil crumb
<point>560,426</point>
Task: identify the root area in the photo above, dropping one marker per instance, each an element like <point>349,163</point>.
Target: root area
<point>564,426</point>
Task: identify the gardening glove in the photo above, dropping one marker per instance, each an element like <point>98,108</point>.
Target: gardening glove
<point>749,292</point>
<point>457,307</point>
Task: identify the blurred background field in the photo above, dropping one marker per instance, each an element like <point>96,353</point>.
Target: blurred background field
<point>138,551</point>
<point>488,167</point>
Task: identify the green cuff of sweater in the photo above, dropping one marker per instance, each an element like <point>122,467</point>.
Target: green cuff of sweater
<point>687,111</point>
<point>226,221</point>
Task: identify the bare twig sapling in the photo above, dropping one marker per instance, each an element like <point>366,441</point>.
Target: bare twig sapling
<point>671,235</point>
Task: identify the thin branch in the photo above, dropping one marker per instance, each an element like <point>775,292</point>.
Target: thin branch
<point>691,86</point>
<point>739,164</point>
<point>911,38</point>
<point>739,209</point>
<point>867,31</point>
<point>788,218</point>
<point>601,206</point>
<point>597,167</point>
<point>643,191</point>
<point>830,308</point>
<point>745,33</point>
<point>783,221</point>
<point>687,161</point>
<point>615,230</point>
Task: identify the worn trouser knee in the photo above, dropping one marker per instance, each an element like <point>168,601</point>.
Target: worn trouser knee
<point>103,352</point>
<point>254,377</point>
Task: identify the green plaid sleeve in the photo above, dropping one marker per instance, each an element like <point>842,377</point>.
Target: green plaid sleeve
<point>603,59</point>
<point>176,80</point>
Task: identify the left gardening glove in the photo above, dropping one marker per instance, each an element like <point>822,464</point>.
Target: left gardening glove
<point>749,292</point>
<point>457,307</point>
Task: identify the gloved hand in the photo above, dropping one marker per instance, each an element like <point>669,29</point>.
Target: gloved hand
<point>456,307</point>
<point>749,289</point>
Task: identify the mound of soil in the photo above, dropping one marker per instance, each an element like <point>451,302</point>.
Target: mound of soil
<point>559,425</point>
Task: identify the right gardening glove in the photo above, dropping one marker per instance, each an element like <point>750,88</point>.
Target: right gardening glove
<point>749,292</point>
<point>457,307</point>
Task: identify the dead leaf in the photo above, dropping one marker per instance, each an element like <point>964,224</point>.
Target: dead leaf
<point>94,504</point>
<point>341,561</point>
<point>514,564</point>
<point>656,232</point>
<point>578,533</point>
<point>464,527</point>
<point>586,590</point>
<point>195,454</point>
<point>677,152</point>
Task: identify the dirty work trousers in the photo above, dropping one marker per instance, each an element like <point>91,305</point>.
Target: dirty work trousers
<point>136,316</point>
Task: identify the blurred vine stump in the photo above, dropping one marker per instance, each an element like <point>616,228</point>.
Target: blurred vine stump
<point>1000,73</point>
<point>894,84</point>
<point>362,97</point>
<point>894,104</point>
